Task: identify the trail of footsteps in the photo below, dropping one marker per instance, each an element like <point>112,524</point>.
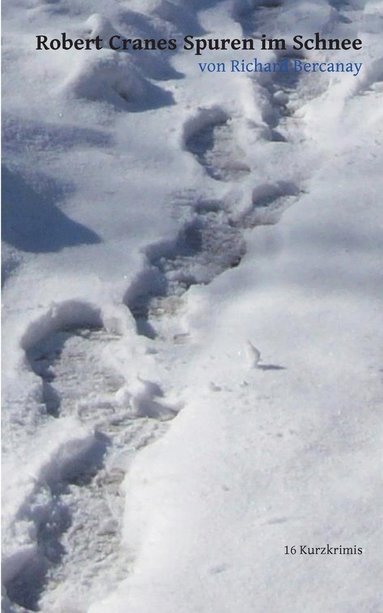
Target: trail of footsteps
<point>213,241</point>
<point>76,507</point>
<point>210,137</point>
<point>66,511</point>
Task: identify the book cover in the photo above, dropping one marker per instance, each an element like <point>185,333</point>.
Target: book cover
<point>192,306</point>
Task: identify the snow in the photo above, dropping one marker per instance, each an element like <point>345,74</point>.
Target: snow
<point>192,315</point>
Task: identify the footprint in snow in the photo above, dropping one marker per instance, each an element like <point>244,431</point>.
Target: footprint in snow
<point>268,202</point>
<point>210,137</point>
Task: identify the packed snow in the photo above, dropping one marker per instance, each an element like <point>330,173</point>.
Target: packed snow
<point>192,313</point>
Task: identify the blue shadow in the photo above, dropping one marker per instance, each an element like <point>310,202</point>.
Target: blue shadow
<point>32,222</point>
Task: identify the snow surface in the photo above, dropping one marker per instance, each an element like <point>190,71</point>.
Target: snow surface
<point>192,364</point>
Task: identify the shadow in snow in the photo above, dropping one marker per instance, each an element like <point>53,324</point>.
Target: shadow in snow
<point>31,220</point>
<point>17,135</point>
<point>270,367</point>
<point>153,97</point>
<point>342,5</point>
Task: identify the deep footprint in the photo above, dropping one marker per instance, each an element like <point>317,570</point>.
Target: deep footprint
<point>269,201</point>
<point>210,138</point>
<point>50,516</point>
<point>203,249</point>
<point>69,363</point>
